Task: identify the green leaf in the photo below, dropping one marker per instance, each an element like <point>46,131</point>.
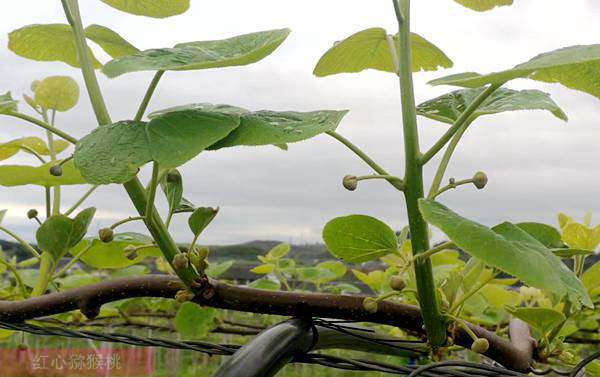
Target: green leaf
<point>375,280</point>
<point>369,49</point>
<point>510,249</point>
<point>498,296</point>
<point>12,147</point>
<point>591,278</point>
<point>265,284</point>
<point>77,280</point>
<point>19,175</point>
<point>263,269</point>
<point>240,50</point>
<point>111,255</point>
<point>579,236</point>
<point>570,253</point>
<point>7,103</point>
<point>448,107</point>
<point>548,235</point>
<point>193,321</point>
<point>337,269</point>
<point>200,219</point>
<point>151,8</point>
<point>279,251</point>
<point>576,67</point>
<point>59,93</point>
<point>110,41</point>
<point>266,127</point>
<point>114,153</point>
<point>185,206</point>
<point>49,42</point>
<point>173,189</point>
<point>215,270</point>
<point>542,319</point>
<point>359,238</point>
<point>484,5</point>
<point>59,233</point>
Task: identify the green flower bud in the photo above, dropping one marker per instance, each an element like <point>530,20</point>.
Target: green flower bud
<point>370,304</point>
<point>22,347</point>
<point>56,171</point>
<point>131,252</point>
<point>173,176</point>
<point>480,180</point>
<point>480,345</point>
<point>106,235</point>
<point>350,182</point>
<point>32,213</point>
<point>180,261</point>
<point>203,252</point>
<point>397,283</point>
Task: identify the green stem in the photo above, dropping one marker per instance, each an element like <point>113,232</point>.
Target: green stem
<point>44,125</point>
<point>462,119</point>
<point>413,182</point>
<point>17,277</point>
<point>363,156</point>
<point>456,306</point>
<point>152,191</point>
<point>75,259</point>
<point>124,221</point>
<point>451,186</point>
<point>21,241</point>
<point>149,92</point>
<point>33,152</point>
<point>443,166</point>
<point>81,200</point>
<point>434,250</point>
<point>30,262</point>
<point>45,271</point>
<point>388,178</point>
<point>50,136</point>
<point>48,195</point>
<point>134,188</point>
<point>283,280</point>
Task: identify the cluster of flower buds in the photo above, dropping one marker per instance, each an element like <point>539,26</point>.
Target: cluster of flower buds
<point>184,295</point>
<point>198,259</point>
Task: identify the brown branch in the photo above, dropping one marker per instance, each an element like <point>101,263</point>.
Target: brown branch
<point>515,354</point>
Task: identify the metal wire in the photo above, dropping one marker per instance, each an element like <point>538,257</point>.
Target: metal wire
<point>443,369</point>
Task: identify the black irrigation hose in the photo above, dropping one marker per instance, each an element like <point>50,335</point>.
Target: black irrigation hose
<point>444,369</point>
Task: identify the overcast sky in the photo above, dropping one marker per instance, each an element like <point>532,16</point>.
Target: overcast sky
<point>537,165</point>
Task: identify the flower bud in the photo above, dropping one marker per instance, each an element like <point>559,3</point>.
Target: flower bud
<point>370,304</point>
<point>56,171</point>
<point>480,180</point>
<point>350,182</point>
<point>173,176</point>
<point>22,347</point>
<point>184,295</point>
<point>397,283</point>
<point>180,261</point>
<point>131,252</point>
<point>106,235</point>
<point>32,213</point>
<point>480,345</point>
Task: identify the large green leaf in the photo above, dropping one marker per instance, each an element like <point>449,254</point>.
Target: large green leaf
<point>19,175</point>
<point>111,255</point>
<point>359,238</point>
<point>267,127</point>
<point>369,49</point>
<point>576,67</point>
<point>59,93</point>
<point>447,108</point>
<point>510,249</point>
<point>110,41</point>
<point>49,42</point>
<point>546,234</point>
<point>591,279</point>
<point>114,153</point>
<point>150,8</point>
<point>194,321</point>
<point>483,5</point>
<point>240,50</point>
<point>7,103</point>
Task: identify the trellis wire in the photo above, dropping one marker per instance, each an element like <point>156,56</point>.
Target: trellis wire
<point>444,369</point>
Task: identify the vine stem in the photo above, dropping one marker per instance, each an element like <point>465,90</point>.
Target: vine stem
<point>44,125</point>
<point>134,187</point>
<point>462,119</point>
<point>52,150</point>
<point>45,271</point>
<point>17,278</point>
<point>149,92</point>
<point>413,184</point>
<point>443,166</point>
<point>81,200</point>
<point>434,250</point>
<point>368,160</point>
